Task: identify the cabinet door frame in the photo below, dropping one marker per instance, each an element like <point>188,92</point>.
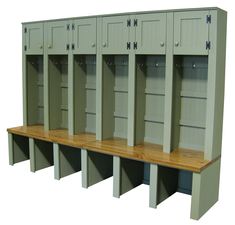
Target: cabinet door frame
<point>35,48</point>
<point>88,45</point>
<point>61,48</point>
<point>199,49</point>
<point>105,44</point>
<point>149,48</point>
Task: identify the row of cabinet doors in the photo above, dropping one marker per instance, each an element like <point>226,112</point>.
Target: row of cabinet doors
<point>143,33</point>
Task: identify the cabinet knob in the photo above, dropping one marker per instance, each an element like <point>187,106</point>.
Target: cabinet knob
<point>49,46</point>
<point>162,44</point>
<point>176,44</point>
<point>104,44</point>
<point>93,45</point>
<point>40,46</point>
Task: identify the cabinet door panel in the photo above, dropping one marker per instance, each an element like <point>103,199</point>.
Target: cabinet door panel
<point>115,35</point>
<point>57,37</point>
<point>191,32</point>
<point>151,33</point>
<point>33,38</point>
<point>84,36</point>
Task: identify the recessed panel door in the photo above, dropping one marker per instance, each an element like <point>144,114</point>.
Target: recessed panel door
<point>57,34</point>
<point>115,35</point>
<point>84,36</point>
<point>33,37</point>
<point>191,32</point>
<point>151,33</point>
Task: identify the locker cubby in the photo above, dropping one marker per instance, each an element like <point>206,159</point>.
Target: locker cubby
<point>189,102</point>
<point>85,93</point>
<point>115,96</point>
<point>34,81</point>
<point>58,91</point>
<point>150,97</point>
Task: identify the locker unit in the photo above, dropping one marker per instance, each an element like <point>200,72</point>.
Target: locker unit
<point>137,96</point>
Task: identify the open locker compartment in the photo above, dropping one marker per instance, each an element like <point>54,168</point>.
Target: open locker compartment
<point>150,98</point>
<point>85,93</point>
<point>189,102</point>
<point>58,91</point>
<point>34,86</point>
<point>115,96</point>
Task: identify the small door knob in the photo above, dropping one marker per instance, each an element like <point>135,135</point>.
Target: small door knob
<point>40,46</point>
<point>104,44</point>
<point>93,45</point>
<point>162,44</point>
<point>49,46</point>
<point>176,44</point>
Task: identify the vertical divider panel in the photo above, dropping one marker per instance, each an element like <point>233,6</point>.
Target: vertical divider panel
<point>24,80</point>
<point>168,85</point>
<point>99,81</point>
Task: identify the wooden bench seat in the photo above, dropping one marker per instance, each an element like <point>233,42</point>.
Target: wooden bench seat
<point>150,153</point>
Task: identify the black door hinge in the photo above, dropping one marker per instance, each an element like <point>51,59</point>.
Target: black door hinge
<point>73,26</point>
<point>67,46</point>
<point>208,45</point>
<point>135,45</point>
<point>73,46</point>
<point>128,22</point>
<point>128,45</point>
<point>25,30</point>
<point>208,18</point>
<point>25,48</point>
<point>135,22</point>
<point>68,26</point>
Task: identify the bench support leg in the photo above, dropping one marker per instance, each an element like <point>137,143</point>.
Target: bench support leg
<point>67,160</point>
<point>127,174</point>
<point>163,183</point>
<point>205,190</point>
<point>18,148</point>
<point>41,154</point>
<point>95,167</point>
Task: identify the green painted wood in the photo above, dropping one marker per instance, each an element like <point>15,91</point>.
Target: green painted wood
<point>191,32</point>
<point>205,190</point>
<point>115,35</point>
<point>116,176</point>
<point>57,36</point>
<point>163,183</point>
<point>168,108</point>
<point>215,90</point>
<point>84,161</point>
<point>32,155</point>
<point>34,41</point>
<point>56,157</point>
<point>71,89</point>
<point>18,148</point>
<point>148,37</point>
<point>84,36</point>
<point>10,149</point>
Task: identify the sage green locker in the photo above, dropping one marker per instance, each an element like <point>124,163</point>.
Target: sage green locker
<point>84,36</point>
<point>191,32</point>
<point>57,37</point>
<point>150,33</point>
<point>116,35</point>
<point>33,73</point>
<point>33,38</point>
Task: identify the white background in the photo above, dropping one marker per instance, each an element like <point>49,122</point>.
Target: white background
<point>28,198</point>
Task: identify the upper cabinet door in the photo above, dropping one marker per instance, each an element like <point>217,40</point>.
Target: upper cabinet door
<point>57,34</point>
<point>191,32</point>
<point>151,33</point>
<point>115,35</point>
<point>84,36</point>
<point>33,38</point>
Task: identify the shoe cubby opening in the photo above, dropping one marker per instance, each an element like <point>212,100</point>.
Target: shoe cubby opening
<point>150,98</point>
<point>189,102</point>
<point>85,93</point>
<point>115,96</point>
<point>34,85</point>
<point>58,91</point>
